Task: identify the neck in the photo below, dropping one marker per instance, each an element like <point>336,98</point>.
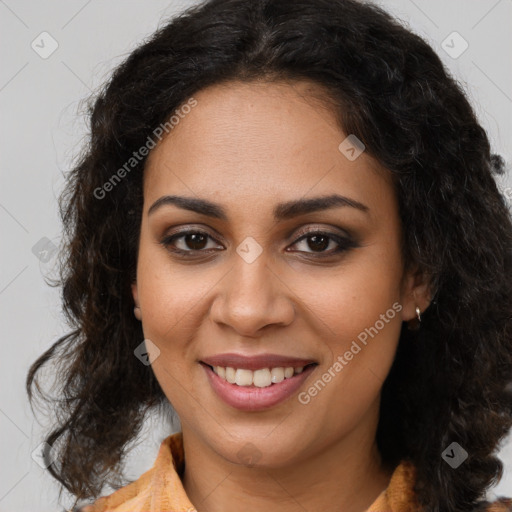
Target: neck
<point>346,475</point>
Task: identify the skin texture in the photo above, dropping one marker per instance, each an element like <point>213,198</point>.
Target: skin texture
<point>249,146</point>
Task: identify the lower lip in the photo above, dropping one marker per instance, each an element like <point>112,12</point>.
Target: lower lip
<point>252,398</point>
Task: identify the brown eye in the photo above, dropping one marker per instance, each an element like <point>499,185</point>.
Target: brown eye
<point>195,241</point>
<point>319,242</point>
<point>190,241</point>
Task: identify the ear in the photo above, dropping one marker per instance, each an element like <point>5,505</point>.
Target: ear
<point>416,292</point>
<point>135,294</point>
<point>136,310</point>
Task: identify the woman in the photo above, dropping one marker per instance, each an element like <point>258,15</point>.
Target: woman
<point>286,225</point>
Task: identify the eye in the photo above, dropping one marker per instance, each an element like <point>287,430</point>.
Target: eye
<point>196,241</point>
<point>320,241</point>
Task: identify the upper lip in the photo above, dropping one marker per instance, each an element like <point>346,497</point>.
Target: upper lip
<point>255,362</point>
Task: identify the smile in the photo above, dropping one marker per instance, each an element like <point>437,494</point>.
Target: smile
<point>262,378</point>
<point>256,390</point>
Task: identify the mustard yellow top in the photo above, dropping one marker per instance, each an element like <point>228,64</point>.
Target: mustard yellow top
<point>160,488</point>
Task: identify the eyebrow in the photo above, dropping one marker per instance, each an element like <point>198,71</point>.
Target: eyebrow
<point>282,211</point>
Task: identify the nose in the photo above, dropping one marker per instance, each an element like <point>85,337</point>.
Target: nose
<point>253,297</point>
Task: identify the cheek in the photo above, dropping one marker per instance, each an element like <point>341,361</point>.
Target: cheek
<point>171,295</point>
<point>360,354</point>
<point>359,313</point>
<point>352,297</point>
<point>172,303</point>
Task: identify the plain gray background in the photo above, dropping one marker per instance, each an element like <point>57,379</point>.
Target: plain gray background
<point>42,131</point>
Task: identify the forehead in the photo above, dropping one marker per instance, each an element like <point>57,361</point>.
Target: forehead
<point>259,141</point>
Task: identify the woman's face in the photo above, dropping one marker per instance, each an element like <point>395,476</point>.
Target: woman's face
<point>251,291</point>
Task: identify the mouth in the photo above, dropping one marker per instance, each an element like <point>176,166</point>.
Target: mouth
<point>256,389</point>
<point>261,378</point>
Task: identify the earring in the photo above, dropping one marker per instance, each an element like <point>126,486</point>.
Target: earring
<point>414,325</point>
<point>137,313</point>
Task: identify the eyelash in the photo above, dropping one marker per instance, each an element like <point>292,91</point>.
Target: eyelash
<point>344,244</point>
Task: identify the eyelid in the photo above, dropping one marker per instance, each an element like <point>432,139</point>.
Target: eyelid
<point>343,239</point>
<point>316,228</point>
<point>296,233</point>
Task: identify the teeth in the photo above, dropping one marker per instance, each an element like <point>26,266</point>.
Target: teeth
<point>243,377</point>
<point>277,375</point>
<point>230,375</point>
<point>288,372</point>
<point>259,378</point>
<point>262,378</point>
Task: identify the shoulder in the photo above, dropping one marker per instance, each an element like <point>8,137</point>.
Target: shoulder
<point>152,487</point>
<point>500,505</point>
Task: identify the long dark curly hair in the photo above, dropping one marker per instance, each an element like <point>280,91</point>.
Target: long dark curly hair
<point>450,381</point>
